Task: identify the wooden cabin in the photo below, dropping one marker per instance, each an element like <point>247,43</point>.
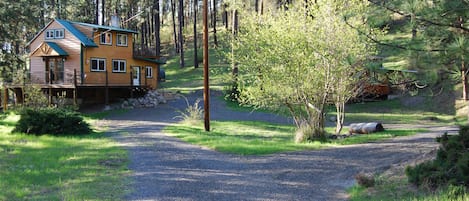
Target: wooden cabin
<point>89,61</point>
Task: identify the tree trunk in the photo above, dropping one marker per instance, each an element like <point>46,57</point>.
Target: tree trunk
<point>173,14</point>
<point>157,25</point>
<point>234,29</point>
<point>340,109</point>
<point>215,41</point>
<point>103,8</point>
<point>414,26</point>
<point>256,6</point>
<point>225,16</point>
<point>181,38</point>
<point>262,7</point>
<point>42,19</point>
<point>196,61</point>
<point>57,9</point>
<point>464,80</point>
<point>96,13</point>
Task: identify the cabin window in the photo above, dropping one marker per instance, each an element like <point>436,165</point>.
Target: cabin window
<point>50,34</point>
<point>118,66</point>
<point>149,71</point>
<point>55,33</point>
<point>59,33</point>
<point>106,38</point>
<point>121,39</point>
<point>98,64</point>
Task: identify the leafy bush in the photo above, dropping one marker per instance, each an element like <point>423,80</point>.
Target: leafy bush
<point>53,121</point>
<point>451,166</point>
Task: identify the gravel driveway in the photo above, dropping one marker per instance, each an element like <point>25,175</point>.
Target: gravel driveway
<point>165,168</point>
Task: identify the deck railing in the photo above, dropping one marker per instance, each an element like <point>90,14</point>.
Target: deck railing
<point>67,77</point>
<point>76,78</point>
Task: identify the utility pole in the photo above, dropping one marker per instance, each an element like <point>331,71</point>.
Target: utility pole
<point>206,84</point>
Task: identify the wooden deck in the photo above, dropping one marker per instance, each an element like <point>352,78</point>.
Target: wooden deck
<point>75,92</point>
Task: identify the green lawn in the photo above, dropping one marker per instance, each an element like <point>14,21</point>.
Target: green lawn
<point>393,111</point>
<point>257,138</point>
<point>90,167</point>
<point>397,188</point>
<point>188,79</point>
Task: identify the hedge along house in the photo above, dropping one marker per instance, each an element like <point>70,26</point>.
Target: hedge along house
<point>89,62</point>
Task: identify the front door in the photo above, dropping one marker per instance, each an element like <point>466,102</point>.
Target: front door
<point>54,70</point>
<point>136,75</point>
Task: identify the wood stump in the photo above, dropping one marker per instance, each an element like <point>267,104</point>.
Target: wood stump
<point>365,128</point>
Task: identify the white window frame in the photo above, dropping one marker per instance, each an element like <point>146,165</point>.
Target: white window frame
<point>149,71</point>
<point>49,34</point>
<point>59,33</point>
<point>118,42</point>
<point>105,35</point>
<point>120,63</point>
<point>98,69</point>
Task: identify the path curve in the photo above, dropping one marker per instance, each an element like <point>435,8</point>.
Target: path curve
<point>165,168</point>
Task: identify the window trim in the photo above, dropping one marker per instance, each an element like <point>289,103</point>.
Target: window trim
<point>118,41</point>
<point>98,60</point>
<point>119,61</point>
<point>50,34</point>
<point>148,75</point>
<point>59,31</point>
<point>105,33</point>
<point>54,34</point>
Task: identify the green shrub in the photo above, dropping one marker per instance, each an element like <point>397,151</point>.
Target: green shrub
<point>451,166</point>
<point>53,121</point>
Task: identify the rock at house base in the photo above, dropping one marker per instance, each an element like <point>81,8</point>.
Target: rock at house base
<point>151,100</point>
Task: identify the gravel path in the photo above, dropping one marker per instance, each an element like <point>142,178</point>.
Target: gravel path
<point>165,168</point>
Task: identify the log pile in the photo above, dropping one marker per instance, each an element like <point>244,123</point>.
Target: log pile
<point>365,128</point>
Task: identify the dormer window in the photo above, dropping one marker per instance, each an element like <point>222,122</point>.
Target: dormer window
<point>55,33</point>
<point>59,33</point>
<point>121,39</point>
<point>106,38</point>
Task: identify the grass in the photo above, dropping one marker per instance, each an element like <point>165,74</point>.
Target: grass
<point>188,78</point>
<point>258,138</point>
<point>394,112</point>
<point>387,112</point>
<point>89,167</point>
<point>397,188</point>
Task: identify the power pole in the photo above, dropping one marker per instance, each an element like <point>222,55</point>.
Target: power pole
<point>206,84</point>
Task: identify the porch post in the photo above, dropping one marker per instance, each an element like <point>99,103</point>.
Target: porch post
<point>106,90</point>
<point>75,87</point>
<point>50,92</point>
<point>131,84</point>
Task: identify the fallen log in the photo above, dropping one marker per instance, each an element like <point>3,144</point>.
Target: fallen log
<point>365,128</point>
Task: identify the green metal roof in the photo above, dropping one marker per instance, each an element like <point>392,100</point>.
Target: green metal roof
<point>87,42</point>
<point>105,27</point>
<point>151,60</point>
<point>57,48</point>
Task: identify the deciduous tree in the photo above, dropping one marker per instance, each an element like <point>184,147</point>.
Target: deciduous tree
<point>306,70</point>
